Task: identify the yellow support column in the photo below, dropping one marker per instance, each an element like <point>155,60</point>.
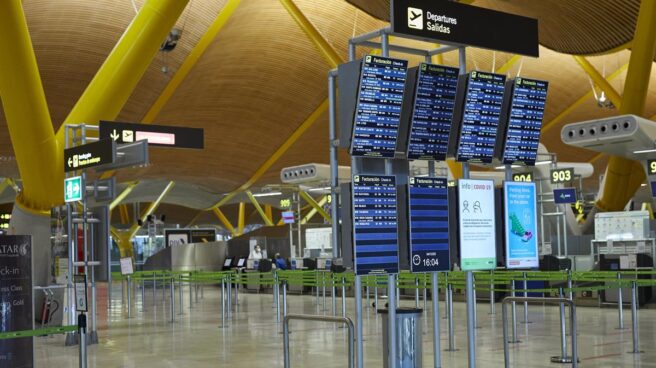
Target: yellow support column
<point>118,76</point>
<point>259,209</point>
<point>599,80</point>
<point>224,220</point>
<point>623,177</point>
<point>269,212</point>
<point>316,207</point>
<point>39,157</point>
<point>241,222</point>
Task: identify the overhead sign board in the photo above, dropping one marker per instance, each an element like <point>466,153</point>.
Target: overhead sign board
<point>451,22</point>
<point>378,111</point>
<point>562,175</point>
<point>429,224</point>
<point>73,189</point>
<point>477,225</point>
<point>521,225</point>
<point>375,225</point>
<point>16,301</point>
<point>156,135</point>
<point>288,217</point>
<point>89,155</point>
<point>564,196</point>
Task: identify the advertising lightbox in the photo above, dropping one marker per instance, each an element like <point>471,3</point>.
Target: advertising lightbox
<point>477,225</point>
<point>521,228</point>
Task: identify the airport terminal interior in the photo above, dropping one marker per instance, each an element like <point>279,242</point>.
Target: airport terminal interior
<point>327,183</point>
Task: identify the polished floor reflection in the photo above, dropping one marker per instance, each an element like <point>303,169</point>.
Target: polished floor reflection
<point>252,338</point>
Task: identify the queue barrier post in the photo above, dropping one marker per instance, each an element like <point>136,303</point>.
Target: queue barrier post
<point>343,320</point>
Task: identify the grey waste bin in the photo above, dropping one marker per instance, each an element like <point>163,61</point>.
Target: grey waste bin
<point>408,338</point>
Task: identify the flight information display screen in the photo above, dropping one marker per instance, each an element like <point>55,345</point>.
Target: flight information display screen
<point>375,225</point>
<point>378,111</point>
<point>435,95</point>
<point>429,224</point>
<point>529,98</point>
<point>480,118</point>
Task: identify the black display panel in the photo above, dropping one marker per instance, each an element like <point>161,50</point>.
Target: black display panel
<point>481,113</point>
<point>434,100</point>
<point>429,224</point>
<point>378,111</point>
<point>375,225</point>
<point>522,137</point>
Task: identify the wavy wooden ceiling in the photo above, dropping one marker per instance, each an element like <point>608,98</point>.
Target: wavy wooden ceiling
<point>261,77</point>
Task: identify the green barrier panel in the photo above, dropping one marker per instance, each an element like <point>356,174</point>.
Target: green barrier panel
<point>38,332</point>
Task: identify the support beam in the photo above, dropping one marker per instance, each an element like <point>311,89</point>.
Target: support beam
<point>124,214</point>
<point>569,109</point>
<point>191,60</point>
<point>455,168</point>
<point>315,210</point>
<point>509,64</point>
<point>39,156</point>
<point>269,212</point>
<point>623,177</point>
<point>327,51</point>
<point>599,80</point>
<point>224,220</point>
<point>123,195</point>
<point>259,209</point>
<point>118,76</point>
<point>241,222</point>
<point>193,220</point>
<point>316,207</point>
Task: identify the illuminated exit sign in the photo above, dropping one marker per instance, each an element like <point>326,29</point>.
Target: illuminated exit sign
<point>156,135</point>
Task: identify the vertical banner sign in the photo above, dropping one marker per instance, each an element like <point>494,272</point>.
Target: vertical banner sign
<point>477,225</point>
<point>375,225</point>
<point>521,225</point>
<point>16,300</point>
<point>429,224</point>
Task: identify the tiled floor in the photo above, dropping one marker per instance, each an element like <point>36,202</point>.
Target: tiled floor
<point>253,337</point>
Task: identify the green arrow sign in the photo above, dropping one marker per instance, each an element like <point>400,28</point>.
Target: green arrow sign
<point>73,189</point>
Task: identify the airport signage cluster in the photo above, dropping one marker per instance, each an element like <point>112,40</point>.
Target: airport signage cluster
<point>89,155</point>
<point>156,135</point>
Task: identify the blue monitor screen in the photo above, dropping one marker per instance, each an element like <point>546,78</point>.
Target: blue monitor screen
<point>525,121</point>
<point>378,114</point>
<point>435,95</point>
<point>429,224</point>
<point>375,225</point>
<point>481,115</point>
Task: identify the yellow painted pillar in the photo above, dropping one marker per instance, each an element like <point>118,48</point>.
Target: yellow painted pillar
<point>242,218</point>
<point>118,76</point>
<point>623,177</point>
<point>39,157</point>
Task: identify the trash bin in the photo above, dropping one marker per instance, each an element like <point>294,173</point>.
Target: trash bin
<point>408,338</point>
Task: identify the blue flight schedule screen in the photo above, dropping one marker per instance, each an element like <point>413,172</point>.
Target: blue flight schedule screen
<point>525,121</point>
<point>481,115</point>
<point>378,113</point>
<point>375,225</point>
<point>435,96</point>
<point>429,224</point>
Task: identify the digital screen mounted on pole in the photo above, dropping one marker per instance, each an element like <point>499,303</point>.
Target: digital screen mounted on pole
<point>375,225</point>
<point>480,117</point>
<point>16,300</point>
<point>521,225</point>
<point>378,111</point>
<point>89,155</point>
<point>156,135</point>
<point>451,22</point>
<point>429,224</point>
<point>476,216</point>
<point>434,100</point>
<point>522,138</point>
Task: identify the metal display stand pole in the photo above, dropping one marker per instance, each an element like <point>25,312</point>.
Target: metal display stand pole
<point>620,303</point>
<point>82,332</point>
<point>514,315</point>
<point>634,318</point>
<point>436,319</point>
<point>358,316</point>
<point>469,278</point>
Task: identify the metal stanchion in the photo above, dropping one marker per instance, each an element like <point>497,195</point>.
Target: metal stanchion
<point>563,358</point>
<point>449,307</point>
<point>172,297</point>
<point>514,315</point>
<point>435,295</point>
<point>143,295</point>
<point>425,292</point>
<point>180,298</point>
<point>223,303</point>
<point>191,291</point>
<point>416,292</point>
<point>358,321</point>
<point>82,332</point>
<point>229,287</point>
<point>323,286</point>
<point>634,318</point>
<point>492,301</point>
<point>343,297</point>
<point>446,296</point>
<point>391,324</point>
<point>376,294</point>
<point>154,289</point>
<point>284,298</point>
<point>526,321</point>
<point>129,297</point>
<point>471,322</point>
<point>620,303</point>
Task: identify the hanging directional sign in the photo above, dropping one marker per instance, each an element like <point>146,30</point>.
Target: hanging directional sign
<point>73,189</point>
<point>156,135</point>
<point>98,153</point>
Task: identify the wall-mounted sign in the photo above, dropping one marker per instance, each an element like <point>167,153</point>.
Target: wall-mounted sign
<point>16,299</point>
<point>156,135</point>
<point>80,282</point>
<point>88,155</point>
<point>523,177</point>
<point>521,225</point>
<point>175,237</point>
<point>477,225</point>
<point>73,189</point>
<point>451,22</point>
<point>566,195</point>
<point>288,217</point>
<point>375,225</point>
<point>562,175</point>
<point>127,266</point>
<point>429,224</point>
<point>203,235</point>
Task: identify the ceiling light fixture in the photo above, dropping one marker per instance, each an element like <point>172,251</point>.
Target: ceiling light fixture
<point>540,163</point>
<point>269,194</point>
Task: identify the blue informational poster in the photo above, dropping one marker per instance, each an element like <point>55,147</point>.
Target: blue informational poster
<point>477,221</point>
<point>375,225</point>
<point>429,224</point>
<point>521,225</point>
<point>565,195</point>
